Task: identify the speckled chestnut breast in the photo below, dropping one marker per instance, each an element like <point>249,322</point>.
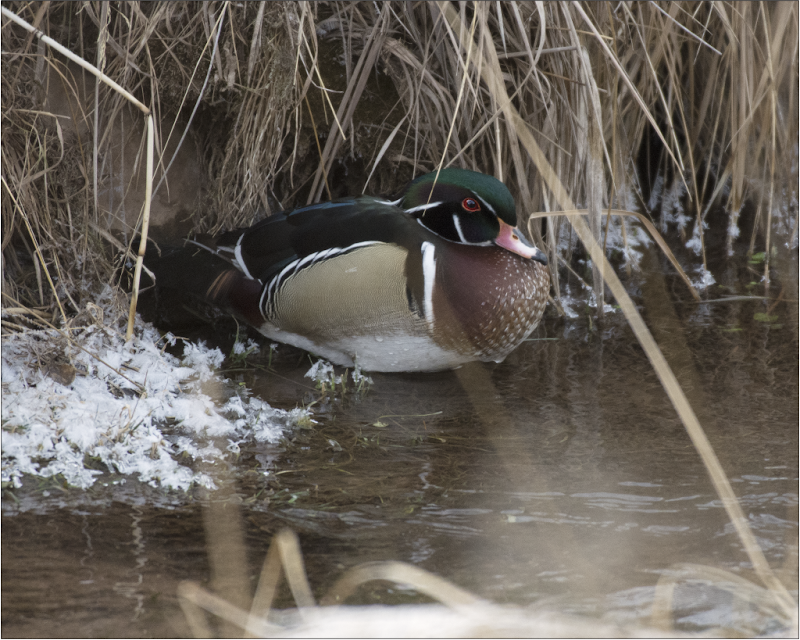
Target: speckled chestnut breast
<point>487,300</point>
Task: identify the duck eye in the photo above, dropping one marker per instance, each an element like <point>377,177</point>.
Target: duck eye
<point>470,205</point>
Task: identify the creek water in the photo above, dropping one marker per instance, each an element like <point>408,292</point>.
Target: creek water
<point>561,478</point>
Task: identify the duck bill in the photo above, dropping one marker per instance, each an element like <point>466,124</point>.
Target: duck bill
<point>510,238</point>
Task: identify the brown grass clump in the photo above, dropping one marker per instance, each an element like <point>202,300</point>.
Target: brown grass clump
<point>262,106</point>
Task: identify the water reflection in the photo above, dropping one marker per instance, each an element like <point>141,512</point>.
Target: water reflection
<point>131,589</point>
<point>561,476</point>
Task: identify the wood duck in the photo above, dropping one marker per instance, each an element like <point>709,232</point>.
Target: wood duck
<point>428,282</point>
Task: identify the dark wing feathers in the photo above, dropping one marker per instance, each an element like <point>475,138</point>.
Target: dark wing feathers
<point>211,268</point>
<point>271,244</point>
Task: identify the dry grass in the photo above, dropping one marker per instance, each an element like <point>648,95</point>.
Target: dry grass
<point>703,94</point>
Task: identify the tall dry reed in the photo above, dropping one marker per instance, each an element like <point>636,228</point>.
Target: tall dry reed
<point>278,100</point>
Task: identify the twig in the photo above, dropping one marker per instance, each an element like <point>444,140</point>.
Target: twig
<point>148,194</point>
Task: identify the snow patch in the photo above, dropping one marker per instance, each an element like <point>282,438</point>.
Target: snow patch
<point>131,408</point>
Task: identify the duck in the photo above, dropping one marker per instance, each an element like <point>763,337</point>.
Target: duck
<point>440,277</point>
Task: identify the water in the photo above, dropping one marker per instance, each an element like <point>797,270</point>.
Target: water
<point>560,478</point>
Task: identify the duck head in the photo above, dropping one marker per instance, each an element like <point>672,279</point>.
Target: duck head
<point>468,208</point>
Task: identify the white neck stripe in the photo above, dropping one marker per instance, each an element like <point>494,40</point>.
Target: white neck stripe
<point>429,276</point>
<point>457,225</point>
<point>487,205</point>
<point>240,259</point>
<point>423,207</point>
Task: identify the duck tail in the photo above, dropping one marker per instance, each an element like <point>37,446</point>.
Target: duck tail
<point>196,272</point>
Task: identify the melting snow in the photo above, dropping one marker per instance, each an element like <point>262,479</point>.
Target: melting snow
<point>322,372</point>
<point>704,279</point>
<point>672,211</point>
<point>133,408</point>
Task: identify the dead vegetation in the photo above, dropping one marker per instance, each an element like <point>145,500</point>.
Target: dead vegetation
<point>263,106</point>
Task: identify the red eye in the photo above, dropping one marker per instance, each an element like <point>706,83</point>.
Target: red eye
<point>470,205</point>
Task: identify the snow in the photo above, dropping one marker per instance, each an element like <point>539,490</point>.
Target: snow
<point>567,304</point>
<point>630,244</point>
<point>323,374</point>
<point>704,279</point>
<point>672,211</point>
<point>132,409</point>
<point>695,243</point>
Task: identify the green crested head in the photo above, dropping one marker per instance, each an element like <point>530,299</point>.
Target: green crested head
<point>454,184</point>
